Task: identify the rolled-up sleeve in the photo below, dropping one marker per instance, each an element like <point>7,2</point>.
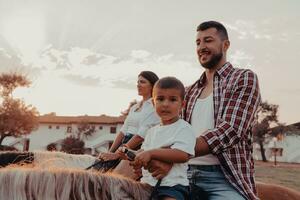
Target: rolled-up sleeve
<point>238,114</point>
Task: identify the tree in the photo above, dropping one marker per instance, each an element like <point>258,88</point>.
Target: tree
<point>267,116</point>
<point>85,129</point>
<point>16,118</point>
<point>72,145</point>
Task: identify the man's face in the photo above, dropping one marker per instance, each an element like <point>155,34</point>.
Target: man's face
<point>209,48</point>
<point>168,104</point>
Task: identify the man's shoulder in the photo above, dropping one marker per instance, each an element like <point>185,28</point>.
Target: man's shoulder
<point>241,76</point>
<point>242,72</point>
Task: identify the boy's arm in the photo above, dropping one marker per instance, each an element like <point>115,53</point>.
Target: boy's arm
<point>165,155</point>
<point>169,155</point>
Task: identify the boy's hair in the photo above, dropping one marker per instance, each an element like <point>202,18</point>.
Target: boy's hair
<point>170,83</point>
<point>217,25</point>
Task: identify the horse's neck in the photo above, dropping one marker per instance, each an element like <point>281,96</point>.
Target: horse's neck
<point>59,159</point>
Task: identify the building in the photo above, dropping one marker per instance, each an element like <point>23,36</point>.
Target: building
<point>287,144</point>
<point>53,129</point>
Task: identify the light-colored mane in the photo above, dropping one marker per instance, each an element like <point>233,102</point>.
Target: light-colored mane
<point>47,159</point>
<point>61,176</point>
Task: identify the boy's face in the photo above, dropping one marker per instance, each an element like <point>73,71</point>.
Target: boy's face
<point>168,104</point>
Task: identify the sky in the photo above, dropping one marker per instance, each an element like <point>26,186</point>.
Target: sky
<point>83,57</point>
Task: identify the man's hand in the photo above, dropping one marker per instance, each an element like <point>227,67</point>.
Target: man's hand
<point>143,158</point>
<point>159,169</point>
<point>137,168</point>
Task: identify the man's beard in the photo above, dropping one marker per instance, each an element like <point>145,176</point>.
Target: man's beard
<point>216,58</point>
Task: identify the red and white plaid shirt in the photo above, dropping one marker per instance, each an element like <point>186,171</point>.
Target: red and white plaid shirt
<point>236,98</point>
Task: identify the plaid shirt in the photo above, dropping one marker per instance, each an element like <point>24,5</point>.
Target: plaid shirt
<point>236,98</point>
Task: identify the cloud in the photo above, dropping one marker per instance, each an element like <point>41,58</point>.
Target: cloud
<point>74,58</point>
<point>80,66</point>
<point>250,30</point>
<point>124,84</point>
<point>91,60</point>
<point>140,54</point>
<point>114,71</point>
<point>14,63</point>
<point>83,81</point>
<point>239,57</point>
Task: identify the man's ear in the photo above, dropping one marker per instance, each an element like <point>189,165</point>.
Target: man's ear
<point>226,45</point>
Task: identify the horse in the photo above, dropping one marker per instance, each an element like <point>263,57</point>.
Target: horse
<point>57,175</point>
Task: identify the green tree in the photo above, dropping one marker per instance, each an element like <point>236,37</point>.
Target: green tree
<point>267,116</point>
<point>16,118</point>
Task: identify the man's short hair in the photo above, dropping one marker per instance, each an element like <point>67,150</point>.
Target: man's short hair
<point>171,83</point>
<point>217,25</point>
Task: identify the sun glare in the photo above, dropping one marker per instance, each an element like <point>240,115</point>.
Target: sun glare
<point>26,34</point>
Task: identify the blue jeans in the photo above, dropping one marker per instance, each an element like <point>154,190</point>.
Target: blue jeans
<point>178,192</point>
<point>207,182</point>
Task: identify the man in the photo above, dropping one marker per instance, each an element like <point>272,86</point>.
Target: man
<point>221,108</point>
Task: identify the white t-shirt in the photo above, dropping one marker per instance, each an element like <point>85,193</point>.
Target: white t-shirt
<point>202,120</point>
<point>138,122</point>
<point>178,135</point>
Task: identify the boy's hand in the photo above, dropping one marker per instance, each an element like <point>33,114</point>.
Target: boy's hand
<point>143,158</point>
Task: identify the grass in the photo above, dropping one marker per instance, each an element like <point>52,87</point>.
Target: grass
<point>283,174</point>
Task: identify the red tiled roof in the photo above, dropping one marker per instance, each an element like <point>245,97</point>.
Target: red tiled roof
<point>102,119</point>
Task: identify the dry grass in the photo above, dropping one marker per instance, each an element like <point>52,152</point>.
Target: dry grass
<point>284,174</point>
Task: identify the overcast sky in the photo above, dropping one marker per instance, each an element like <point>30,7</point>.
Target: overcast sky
<point>83,57</point>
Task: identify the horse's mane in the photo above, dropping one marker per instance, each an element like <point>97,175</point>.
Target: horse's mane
<point>27,182</point>
<point>46,159</point>
<point>56,175</point>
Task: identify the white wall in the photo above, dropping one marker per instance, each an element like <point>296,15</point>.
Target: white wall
<point>40,138</point>
<point>291,150</point>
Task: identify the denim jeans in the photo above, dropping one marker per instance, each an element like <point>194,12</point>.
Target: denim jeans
<point>207,182</point>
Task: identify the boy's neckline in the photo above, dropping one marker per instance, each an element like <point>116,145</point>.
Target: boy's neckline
<point>161,124</point>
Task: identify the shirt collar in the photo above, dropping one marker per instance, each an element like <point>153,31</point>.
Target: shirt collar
<point>222,72</point>
<point>149,100</point>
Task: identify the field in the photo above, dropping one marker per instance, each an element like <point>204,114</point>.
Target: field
<point>283,174</point>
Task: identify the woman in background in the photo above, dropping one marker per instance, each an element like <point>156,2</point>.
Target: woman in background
<point>140,117</point>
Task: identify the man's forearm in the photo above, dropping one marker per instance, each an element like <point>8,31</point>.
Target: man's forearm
<point>201,147</point>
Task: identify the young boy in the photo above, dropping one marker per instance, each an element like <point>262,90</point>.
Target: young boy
<point>173,140</point>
